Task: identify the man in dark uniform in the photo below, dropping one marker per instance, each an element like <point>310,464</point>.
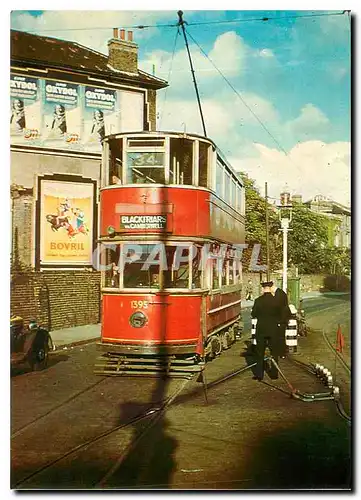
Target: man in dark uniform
<point>267,310</point>
<point>282,299</point>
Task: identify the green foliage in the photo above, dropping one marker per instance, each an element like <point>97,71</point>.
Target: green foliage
<point>308,240</point>
<point>256,227</point>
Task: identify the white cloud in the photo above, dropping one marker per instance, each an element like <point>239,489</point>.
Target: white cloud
<point>75,25</point>
<point>229,54</point>
<point>184,115</point>
<point>311,168</point>
<point>266,53</point>
<point>310,121</point>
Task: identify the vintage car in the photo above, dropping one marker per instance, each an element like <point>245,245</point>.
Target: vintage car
<point>30,345</point>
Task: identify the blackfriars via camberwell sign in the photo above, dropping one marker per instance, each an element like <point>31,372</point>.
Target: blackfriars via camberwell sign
<point>143,221</point>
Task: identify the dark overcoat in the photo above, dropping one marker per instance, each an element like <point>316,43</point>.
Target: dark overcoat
<point>282,299</point>
<point>267,310</point>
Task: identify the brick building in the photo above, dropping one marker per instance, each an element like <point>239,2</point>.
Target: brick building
<point>64,99</point>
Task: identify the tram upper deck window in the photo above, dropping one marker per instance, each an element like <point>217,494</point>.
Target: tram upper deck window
<point>145,168</point>
<point>219,179</point>
<point>181,161</point>
<point>203,164</point>
<point>115,161</point>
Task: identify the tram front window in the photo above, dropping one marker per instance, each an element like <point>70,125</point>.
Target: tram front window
<point>110,258</point>
<point>145,168</point>
<point>139,272</point>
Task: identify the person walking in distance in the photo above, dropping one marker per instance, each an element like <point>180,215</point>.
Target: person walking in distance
<point>267,311</point>
<point>249,290</point>
<point>282,300</point>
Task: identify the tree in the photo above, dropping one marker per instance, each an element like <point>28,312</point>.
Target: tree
<point>308,240</point>
<point>256,227</point>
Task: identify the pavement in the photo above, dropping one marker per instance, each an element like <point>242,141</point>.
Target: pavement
<point>67,338</point>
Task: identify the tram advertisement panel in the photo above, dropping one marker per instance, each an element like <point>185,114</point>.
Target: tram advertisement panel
<point>25,102</point>
<point>62,113</point>
<point>101,116</point>
<point>66,222</point>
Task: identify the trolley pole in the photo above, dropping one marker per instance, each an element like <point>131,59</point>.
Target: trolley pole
<point>267,234</point>
<point>181,23</point>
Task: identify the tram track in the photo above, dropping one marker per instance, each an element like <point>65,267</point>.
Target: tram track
<point>56,408</point>
<point>156,412</point>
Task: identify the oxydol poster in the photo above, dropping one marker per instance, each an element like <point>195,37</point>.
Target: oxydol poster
<point>62,112</point>
<point>101,115</point>
<point>25,112</point>
<point>66,225</point>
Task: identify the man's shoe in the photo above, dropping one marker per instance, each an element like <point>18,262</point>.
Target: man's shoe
<point>257,378</point>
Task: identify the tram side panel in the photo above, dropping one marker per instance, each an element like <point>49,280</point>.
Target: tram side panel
<point>151,320</point>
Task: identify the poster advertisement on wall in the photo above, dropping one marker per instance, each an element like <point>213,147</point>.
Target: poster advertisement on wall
<point>25,113</point>
<point>62,113</point>
<point>101,116</point>
<point>66,222</point>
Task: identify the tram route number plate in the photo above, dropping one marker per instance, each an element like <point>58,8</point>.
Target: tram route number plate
<point>139,304</point>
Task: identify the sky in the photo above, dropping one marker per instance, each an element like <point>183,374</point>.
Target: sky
<point>275,94</point>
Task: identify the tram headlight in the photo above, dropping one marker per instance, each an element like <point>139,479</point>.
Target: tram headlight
<point>138,319</point>
<point>111,231</point>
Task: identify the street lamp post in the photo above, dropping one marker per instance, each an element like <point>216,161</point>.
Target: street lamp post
<point>285,214</point>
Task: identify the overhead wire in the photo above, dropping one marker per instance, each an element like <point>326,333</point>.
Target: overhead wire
<point>168,79</point>
<point>202,23</point>
<point>240,97</point>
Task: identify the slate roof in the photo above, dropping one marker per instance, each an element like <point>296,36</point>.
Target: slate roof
<point>52,52</point>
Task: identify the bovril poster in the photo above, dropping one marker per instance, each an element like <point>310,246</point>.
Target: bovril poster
<point>66,226</point>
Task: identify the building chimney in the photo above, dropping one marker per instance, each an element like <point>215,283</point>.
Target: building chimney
<point>122,53</point>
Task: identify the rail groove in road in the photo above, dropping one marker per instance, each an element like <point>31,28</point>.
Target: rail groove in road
<point>55,408</point>
<point>156,412</point>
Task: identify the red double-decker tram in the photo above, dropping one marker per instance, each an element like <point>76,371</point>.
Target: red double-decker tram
<point>172,213</point>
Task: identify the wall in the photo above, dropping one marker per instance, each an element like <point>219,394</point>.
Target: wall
<point>152,109</point>
<point>309,282</point>
<point>60,299</point>
<point>24,166</point>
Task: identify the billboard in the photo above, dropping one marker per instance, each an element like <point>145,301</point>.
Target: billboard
<point>62,113</point>
<point>66,222</point>
<point>67,115</point>
<point>25,108</point>
<point>101,115</point>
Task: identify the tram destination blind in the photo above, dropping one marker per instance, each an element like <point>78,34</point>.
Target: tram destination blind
<point>155,221</point>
